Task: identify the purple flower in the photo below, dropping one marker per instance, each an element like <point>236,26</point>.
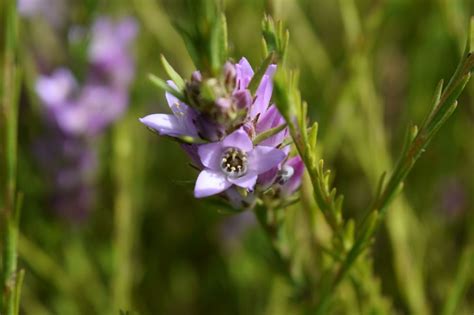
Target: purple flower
<point>233,161</point>
<point>77,112</point>
<point>30,8</point>
<point>103,98</point>
<point>57,88</point>
<point>244,74</point>
<point>108,51</point>
<point>225,112</point>
<point>54,11</point>
<point>180,123</point>
<point>95,108</point>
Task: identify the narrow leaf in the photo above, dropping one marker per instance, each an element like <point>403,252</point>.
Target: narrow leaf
<point>268,133</point>
<point>177,79</point>
<point>257,77</point>
<point>166,87</point>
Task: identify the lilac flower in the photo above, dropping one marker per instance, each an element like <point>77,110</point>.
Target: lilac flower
<point>76,113</point>
<point>233,161</point>
<point>53,11</point>
<point>103,98</point>
<point>224,112</point>
<point>95,108</point>
<point>57,88</point>
<point>85,111</point>
<point>108,51</point>
<point>180,123</point>
<point>30,8</point>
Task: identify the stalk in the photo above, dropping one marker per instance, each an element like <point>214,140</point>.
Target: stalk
<point>126,174</point>
<point>444,104</point>
<point>9,128</point>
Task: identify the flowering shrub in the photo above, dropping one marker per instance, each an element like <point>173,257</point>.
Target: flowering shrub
<point>233,208</point>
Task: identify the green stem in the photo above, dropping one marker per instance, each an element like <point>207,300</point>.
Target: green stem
<point>125,174</point>
<point>461,283</point>
<point>9,119</point>
<point>445,105</point>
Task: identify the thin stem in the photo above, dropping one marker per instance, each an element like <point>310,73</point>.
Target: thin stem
<point>9,119</point>
<point>127,176</point>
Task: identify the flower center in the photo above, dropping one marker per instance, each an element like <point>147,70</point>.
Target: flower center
<point>234,162</point>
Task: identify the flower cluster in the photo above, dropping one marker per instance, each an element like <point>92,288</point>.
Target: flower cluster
<point>76,113</point>
<point>238,136</point>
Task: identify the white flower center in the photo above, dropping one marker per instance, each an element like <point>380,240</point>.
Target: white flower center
<point>234,162</point>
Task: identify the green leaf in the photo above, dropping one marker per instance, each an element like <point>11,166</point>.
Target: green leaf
<point>166,87</point>
<point>268,133</point>
<point>275,38</point>
<point>313,136</point>
<point>257,77</point>
<point>174,76</point>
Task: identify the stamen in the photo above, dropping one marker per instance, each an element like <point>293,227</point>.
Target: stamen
<point>234,162</point>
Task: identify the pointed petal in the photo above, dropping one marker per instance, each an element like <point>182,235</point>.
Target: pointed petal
<point>247,181</point>
<point>209,183</point>
<point>181,111</point>
<point>238,139</point>
<point>164,124</point>
<point>244,73</point>
<point>269,119</point>
<point>263,96</point>
<point>262,158</point>
<point>210,154</point>
<point>271,70</point>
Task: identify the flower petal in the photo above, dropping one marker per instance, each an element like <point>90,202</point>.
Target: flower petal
<point>271,70</point>
<point>54,90</point>
<point>238,139</point>
<point>164,124</point>
<point>263,96</point>
<point>209,183</point>
<point>295,180</point>
<point>181,111</point>
<point>262,158</point>
<point>247,181</point>
<point>244,73</point>
<point>210,155</point>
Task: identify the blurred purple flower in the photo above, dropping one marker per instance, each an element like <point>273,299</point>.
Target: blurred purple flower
<point>233,161</point>
<point>103,98</point>
<point>76,113</point>
<point>30,8</point>
<point>108,51</point>
<point>53,11</point>
<point>56,89</point>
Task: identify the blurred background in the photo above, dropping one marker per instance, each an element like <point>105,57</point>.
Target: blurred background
<point>109,221</point>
